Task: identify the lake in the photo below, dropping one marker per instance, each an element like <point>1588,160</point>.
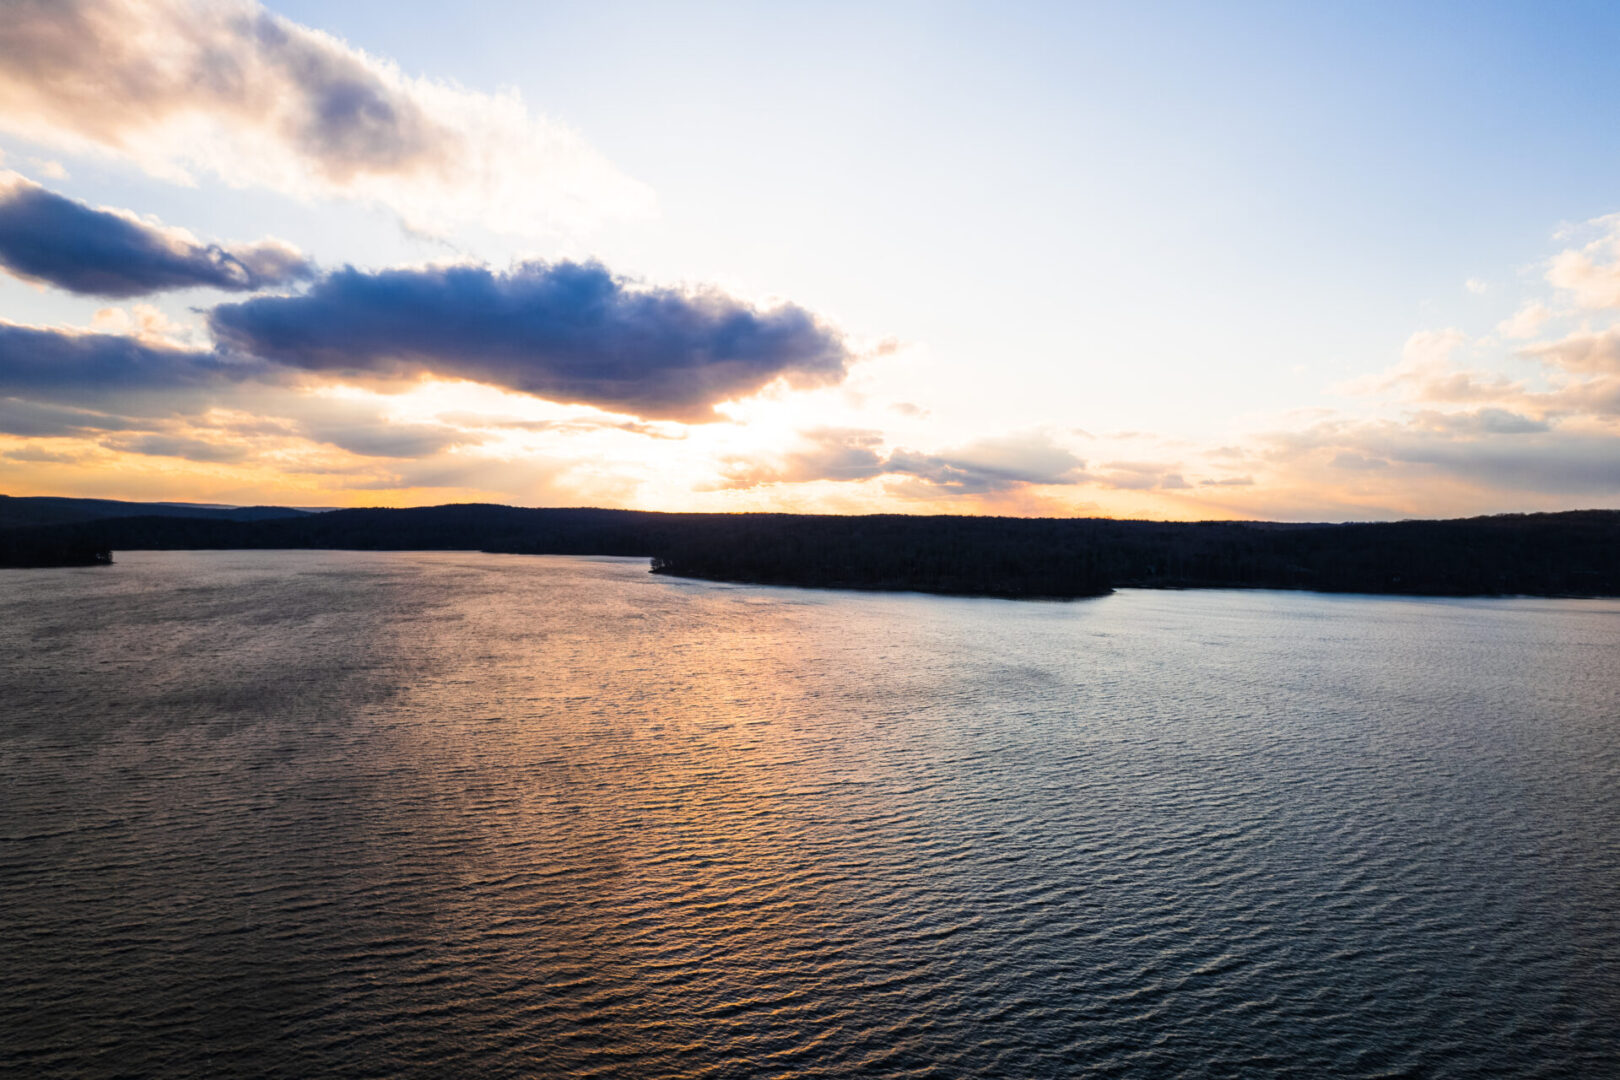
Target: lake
<point>449,814</point>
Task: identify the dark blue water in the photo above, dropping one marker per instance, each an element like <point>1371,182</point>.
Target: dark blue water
<point>342,814</point>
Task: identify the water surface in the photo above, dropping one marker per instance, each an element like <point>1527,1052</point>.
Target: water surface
<point>407,814</point>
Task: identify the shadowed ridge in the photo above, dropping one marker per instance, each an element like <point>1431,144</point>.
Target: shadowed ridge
<point>21,511</point>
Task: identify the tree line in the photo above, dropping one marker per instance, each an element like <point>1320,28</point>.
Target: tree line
<point>1567,554</point>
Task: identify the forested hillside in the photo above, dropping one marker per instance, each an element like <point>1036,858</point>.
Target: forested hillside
<point>1568,554</point>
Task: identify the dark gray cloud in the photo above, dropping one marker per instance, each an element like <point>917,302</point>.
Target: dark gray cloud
<point>34,420</point>
<point>105,370</point>
<point>49,238</point>
<point>568,332</point>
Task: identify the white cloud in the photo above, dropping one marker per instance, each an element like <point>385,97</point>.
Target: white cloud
<point>1584,352</point>
<point>232,90</point>
<point>1425,372</point>
<point>1591,273</point>
<point>1526,321</point>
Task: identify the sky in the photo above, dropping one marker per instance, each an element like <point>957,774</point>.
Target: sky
<point>1298,262</point>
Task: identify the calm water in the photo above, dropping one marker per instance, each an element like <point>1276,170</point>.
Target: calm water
<point>350,814</point>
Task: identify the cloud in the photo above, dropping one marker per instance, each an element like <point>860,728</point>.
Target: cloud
<point>849,454</point>
<point>1482,443</point>
<point>1581,369</point>
<point>575,426</point>
<point>1141,476</point>
<point>1598,398</point>
<point>1526,321</point>
<point>1591,273</point>
<point>994,464</point>
<point>35,420</point>
<point>1584,352</point>
<point>35,455</point>
<point>1425,373</point>
<point>1424,354</point>
<point>1476,286</point>
<point>279,418</point>
<point>365,430</point>
<point>1349,459</point>
<point>1586,465</point>
<point>532,479</point>
<point>231,89</point>
<point>177,446</point>
<point>566,332</point>
<point>822,454</point>
<point>145,322</point>
<point>1485,449</point>
<point>1488,421</point>
<point>48,238</point>
<point>83,370</point>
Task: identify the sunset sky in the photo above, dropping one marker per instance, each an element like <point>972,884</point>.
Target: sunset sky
<point>1291,261</point>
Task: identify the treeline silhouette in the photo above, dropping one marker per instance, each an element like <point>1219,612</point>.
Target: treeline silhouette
<point>20,549</point>
<point>1567,554</point>
<point>976,556</point>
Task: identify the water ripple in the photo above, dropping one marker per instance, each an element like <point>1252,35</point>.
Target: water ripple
<point>401,815</point>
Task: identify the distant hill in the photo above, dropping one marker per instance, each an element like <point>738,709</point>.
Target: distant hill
<point>23,511</point>
<point>1568,554</point>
